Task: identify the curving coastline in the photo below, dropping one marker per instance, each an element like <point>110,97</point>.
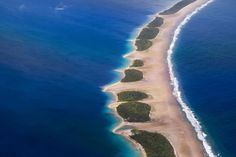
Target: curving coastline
<point>189,113</point>
<point>159,83</point>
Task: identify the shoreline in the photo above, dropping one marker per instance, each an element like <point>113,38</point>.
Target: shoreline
<point>169,115</point>
<point>177,93</point>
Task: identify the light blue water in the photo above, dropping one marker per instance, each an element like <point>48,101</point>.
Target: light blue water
<point>54,58</point>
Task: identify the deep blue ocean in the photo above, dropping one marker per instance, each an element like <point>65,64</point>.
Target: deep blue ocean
<point>55,56</point>
<point>205,65</point>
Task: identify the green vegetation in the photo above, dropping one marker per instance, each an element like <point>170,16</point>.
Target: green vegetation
<point>132,75</point>
<point>137,63</point>
<point>143,44</point>
<point>131,96</point>
<point>148,33</point>
<point>157,22</point>
<point>154,144</point>
<point>134,111</point>
<point>177,7</point>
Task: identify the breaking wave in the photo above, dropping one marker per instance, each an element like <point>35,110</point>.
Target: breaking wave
<point>189,113</point>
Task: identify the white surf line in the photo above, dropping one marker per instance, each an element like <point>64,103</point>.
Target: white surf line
<point>177,93</point>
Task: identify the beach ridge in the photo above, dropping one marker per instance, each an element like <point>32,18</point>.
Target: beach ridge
<point>167,117</point>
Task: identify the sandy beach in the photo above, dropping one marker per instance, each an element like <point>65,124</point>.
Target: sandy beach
<point>166,114</point>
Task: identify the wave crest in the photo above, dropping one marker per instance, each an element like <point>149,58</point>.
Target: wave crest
<point>177,93</point>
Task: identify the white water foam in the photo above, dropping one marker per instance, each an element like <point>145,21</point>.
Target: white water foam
<point>189,113</point>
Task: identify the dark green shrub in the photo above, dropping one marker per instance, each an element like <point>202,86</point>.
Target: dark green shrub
<point>131,96</point>
<point>132,75</point>
<point>134,111</point>
<point>143,44</point>
<point>177,7</point>
<point>154,144</point>
<point>148,33</point>
<point>157,22</point>
<point>137,63</point>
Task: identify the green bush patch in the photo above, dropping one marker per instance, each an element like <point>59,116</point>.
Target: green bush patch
<point>143,44</point>
<point>177,7</point>
<point>137,63</point>
<point>132,75</point>
<point>148,33</point>
<point>154,144</point>
<point>134,111</point>
<point>157,22</point>
<point>131,96</point>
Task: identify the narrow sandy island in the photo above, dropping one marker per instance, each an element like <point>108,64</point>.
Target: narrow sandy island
<point>166,114</point>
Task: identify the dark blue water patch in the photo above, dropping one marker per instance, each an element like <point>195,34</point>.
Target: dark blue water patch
<point>205,63</point>
<point>45,118</point>
<point>54,58</point>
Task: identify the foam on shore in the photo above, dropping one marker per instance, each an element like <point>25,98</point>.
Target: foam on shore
<point>177,93</point>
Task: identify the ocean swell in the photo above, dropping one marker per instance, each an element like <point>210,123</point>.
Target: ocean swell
<point>177,93</point>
